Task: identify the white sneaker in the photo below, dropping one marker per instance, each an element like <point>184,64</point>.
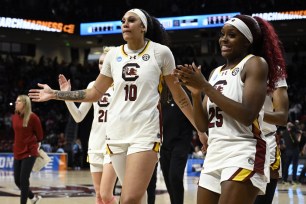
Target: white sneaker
<point>36,199</point>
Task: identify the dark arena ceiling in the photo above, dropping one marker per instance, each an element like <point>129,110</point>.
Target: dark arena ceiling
<point>292,33</point>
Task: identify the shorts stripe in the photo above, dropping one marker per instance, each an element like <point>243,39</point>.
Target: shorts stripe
<point>276,164</point>
<point>108,150</point>
<point>260,148</point>
<point>241,175</point>
<point>156,147</point>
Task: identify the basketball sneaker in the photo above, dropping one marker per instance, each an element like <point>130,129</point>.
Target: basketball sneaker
<point>36,199</point>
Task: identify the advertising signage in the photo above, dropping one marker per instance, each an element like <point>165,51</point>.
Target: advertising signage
<point>281,16</point>
<point>48,26</point>
<point>170,23</point>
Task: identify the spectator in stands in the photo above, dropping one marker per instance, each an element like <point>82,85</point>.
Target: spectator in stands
<point>61,143</point>
<point>77,154</point>
<point>295,111</point>
<point>46,147</point>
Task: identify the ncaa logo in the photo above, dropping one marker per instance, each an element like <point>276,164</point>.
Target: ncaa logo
<point>146,57</point>
<point>119,59</point>
<point>235,71</point>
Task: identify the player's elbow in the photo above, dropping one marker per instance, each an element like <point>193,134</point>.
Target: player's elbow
<point>283,121</point>
<point>247,121</point>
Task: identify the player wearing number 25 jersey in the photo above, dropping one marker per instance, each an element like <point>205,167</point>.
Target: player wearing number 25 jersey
<point>136,76</point>
<point>230,143</point>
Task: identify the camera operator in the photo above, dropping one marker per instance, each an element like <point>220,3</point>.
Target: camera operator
<point>292,137</point>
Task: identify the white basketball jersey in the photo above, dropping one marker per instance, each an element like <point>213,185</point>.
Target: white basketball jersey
<point>230,143</point>
<point>268,106</point>
<point>134,114</point>
<point>270,128</point>
<point>96,143</point>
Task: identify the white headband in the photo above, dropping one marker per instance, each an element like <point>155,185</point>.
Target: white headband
<point>242,27</point>
<point>142,17</point>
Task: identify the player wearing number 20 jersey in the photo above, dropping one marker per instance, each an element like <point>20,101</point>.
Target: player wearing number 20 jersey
<point>136,76</point>
<point>230,143</point>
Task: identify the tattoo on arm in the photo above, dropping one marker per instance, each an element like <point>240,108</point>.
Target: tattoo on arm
<point>70,95</point>
<point>183,103</point>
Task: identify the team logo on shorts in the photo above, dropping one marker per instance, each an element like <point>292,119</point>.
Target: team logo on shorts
<point>146,57</point>
<point>251,161</point>
<point>235,71</point>
<point>119,59</point>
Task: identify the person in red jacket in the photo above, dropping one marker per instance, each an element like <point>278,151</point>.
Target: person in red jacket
<point>28,135</point>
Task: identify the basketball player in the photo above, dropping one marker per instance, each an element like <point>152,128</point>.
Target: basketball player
<point>102,171</point>
<point>276,107</point>
<point>236,166</point>
<point>133,129</point>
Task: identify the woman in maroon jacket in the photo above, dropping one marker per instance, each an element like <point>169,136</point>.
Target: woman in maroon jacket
<point>28,134</point>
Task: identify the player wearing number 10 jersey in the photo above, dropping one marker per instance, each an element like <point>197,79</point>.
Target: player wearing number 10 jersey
<point>133,129</point>
<point>136,76</point>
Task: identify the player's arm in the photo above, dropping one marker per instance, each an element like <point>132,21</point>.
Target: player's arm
<point>279,115</point>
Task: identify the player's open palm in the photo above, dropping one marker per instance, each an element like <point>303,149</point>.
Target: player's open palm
<point>43,94</point>
<point>64,84</point>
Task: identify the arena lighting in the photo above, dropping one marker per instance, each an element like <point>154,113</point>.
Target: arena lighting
<point>281,16</point>
<point>170,23</point>
<point>48,26</point>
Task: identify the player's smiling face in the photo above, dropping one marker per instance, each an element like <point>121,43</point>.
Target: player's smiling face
<point>232,42</point>
<point>132,27</point>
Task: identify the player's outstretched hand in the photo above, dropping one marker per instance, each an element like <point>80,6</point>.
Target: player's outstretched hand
<point>43,94</point>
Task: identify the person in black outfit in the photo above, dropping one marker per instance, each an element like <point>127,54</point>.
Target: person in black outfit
<point>282,147</point>
<point>152,187</point>
<point>177,135</point>
<point>292,138</point>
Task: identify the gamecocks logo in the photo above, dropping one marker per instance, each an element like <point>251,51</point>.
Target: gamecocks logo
<point>104,101</point>
<point>129,72</point>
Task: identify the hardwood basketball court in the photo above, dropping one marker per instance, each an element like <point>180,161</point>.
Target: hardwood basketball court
<point>61,187</point>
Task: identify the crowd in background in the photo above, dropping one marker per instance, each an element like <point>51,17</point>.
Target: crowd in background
<point>18,75</point>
